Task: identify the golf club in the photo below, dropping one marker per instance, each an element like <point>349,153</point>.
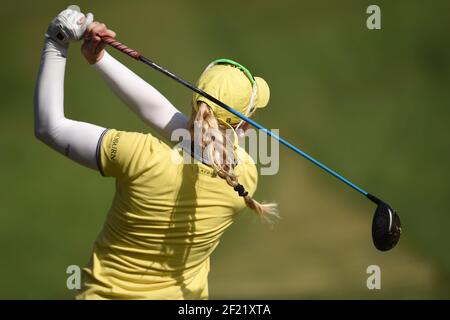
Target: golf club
<point>386,226</point>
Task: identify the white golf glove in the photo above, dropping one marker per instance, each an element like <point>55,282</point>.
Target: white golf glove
<point>69,25</point>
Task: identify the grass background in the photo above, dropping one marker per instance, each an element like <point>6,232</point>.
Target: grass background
<point>374,105</point>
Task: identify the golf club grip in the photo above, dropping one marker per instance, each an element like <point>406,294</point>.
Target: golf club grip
<point>121,47</point>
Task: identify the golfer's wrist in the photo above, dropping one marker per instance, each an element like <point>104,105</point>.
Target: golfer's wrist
<point>94,59</point>
<point>51,45</point>
<point>101,59</point>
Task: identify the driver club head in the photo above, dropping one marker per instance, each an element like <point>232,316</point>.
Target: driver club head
<point>386,226</point>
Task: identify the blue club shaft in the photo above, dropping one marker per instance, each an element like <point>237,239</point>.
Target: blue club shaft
<point>253,123</point>
<point>305,155</point>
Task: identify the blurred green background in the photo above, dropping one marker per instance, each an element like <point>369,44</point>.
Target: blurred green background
<point>374,105</point>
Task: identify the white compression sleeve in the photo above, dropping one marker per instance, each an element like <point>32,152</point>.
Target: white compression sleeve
<point>147,102</point>
<point>77,140</point>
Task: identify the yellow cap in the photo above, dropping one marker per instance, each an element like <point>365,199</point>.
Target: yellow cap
<point>231,86</point>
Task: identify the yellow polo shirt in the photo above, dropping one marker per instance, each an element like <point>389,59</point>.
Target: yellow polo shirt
<point>166,219</point>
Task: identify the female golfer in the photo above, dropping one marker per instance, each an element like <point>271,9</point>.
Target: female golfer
<point>168,214</point>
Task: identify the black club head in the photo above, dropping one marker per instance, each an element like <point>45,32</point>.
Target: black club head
<point>386,226</point>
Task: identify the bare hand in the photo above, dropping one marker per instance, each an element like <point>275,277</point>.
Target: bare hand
<point>93,46</point>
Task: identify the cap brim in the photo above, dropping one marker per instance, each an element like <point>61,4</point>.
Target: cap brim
<point>263,95</point>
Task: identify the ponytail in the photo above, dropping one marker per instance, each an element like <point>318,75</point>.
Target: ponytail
<point>211,137</point>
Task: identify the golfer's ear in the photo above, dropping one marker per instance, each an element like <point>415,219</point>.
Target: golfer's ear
<point>246,126</point>
<point>243,129</point>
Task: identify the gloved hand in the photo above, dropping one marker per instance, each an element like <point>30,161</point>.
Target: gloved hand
<point>69,25</point>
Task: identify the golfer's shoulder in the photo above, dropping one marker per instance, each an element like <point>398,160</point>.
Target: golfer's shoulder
<point>128,144</point>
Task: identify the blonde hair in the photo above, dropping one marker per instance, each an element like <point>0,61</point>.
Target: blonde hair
<point>211,137</point>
